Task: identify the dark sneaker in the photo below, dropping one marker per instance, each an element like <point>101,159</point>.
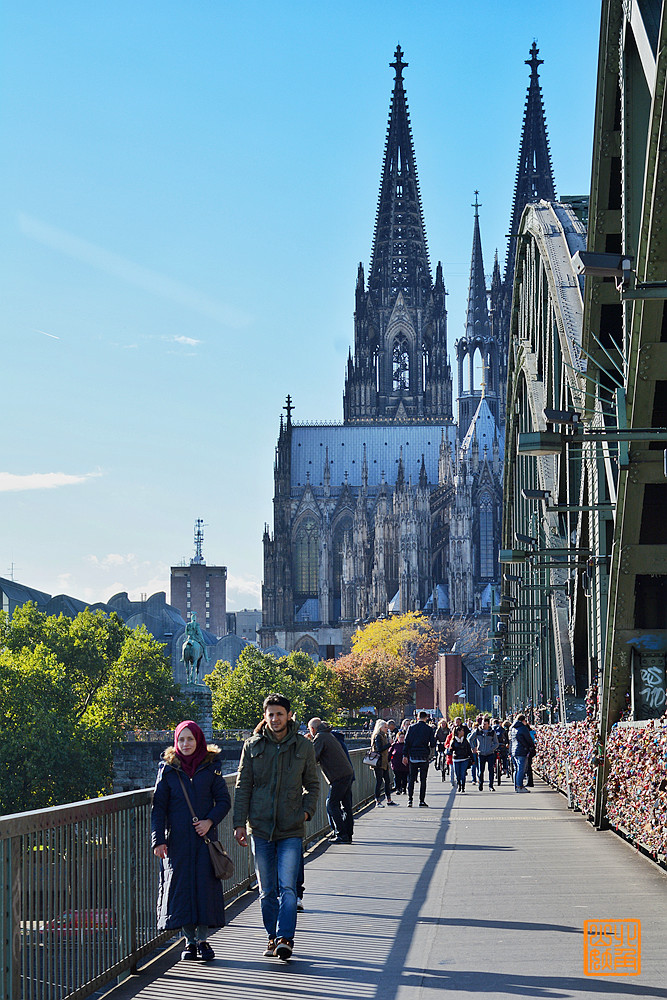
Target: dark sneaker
<point>300,907</point>
<point>409,802</point>
<point>189,953</point>
<point>283,949</point>
<point>423,805</point>
<point>491,788</point>
<point>391,803</point>
<point>206,952</point>
<point>270,948</point>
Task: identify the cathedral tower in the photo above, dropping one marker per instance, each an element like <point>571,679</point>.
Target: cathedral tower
<point>534,182</point>
<point>400,372</point>
<point>478,341</point>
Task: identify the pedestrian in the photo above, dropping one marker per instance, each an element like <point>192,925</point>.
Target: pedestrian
<point>461,754</point>
<point>339,772</point>
<point>418,742</point>
<point>474,762</point>
<point>529,760</point>
<point>396,751</point>
<point>189,895</point>
<point>449,760</point>
<point>484,742</point>
<point>458,721</point>
<point>522,745</point>
<point>277,787</point>
<point>392,729</point>
<point>380,745</point>
<point>503,744</point>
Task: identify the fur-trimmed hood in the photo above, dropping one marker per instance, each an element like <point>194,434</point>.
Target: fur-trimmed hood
<point>171,757</point>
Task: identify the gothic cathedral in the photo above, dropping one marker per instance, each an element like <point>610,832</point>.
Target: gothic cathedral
<point>399,507</point>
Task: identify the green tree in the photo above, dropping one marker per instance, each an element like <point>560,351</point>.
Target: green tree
<point>140,691</point>
<point>68,689</point>
<point>466,711</point>
<point>48,755</point>
<point>238,692</point>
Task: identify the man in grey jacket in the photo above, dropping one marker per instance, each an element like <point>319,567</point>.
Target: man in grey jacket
<point>337,769</point>
<point>485,742</point>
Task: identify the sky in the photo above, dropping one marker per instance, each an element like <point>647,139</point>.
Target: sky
<point>187,190</point>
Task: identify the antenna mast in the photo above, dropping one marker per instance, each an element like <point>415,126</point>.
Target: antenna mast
<point>199,540</point>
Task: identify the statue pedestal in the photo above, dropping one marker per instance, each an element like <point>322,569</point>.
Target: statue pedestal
<point>201,695</point>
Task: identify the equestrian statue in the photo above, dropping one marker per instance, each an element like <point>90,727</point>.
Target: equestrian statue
<point>193,650</point>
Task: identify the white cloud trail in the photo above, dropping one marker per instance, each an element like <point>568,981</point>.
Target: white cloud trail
<point>129,271</point>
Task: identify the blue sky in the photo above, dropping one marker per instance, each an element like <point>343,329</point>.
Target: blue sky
<point>187,190</point>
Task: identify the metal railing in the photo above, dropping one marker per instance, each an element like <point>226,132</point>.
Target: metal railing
<point>78,889</point>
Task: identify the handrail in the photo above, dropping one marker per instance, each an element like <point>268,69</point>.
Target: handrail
<point>78,887</point>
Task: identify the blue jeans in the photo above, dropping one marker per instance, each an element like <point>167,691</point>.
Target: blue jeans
<point>277,865</point>
<point>460,768</point>
<point>474,767</point>
<point>520,765</point>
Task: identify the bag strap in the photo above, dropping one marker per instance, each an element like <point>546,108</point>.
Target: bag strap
<point>187,797</point>
<point>206,839</point>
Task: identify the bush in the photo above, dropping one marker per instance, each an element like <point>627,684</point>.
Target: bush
<point>466,711</point>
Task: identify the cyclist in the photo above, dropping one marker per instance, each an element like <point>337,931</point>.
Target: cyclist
<point>441,734</point>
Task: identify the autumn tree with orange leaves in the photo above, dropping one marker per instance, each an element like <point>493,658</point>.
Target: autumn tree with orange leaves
<point>387,656</point>
<point>390,654</point>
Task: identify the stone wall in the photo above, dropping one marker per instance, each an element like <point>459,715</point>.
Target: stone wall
<point>135,763</point>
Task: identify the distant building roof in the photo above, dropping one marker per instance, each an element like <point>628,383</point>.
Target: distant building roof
<point>276,651</point>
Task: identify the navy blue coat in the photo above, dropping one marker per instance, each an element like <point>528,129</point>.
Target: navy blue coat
<point>188,892</point>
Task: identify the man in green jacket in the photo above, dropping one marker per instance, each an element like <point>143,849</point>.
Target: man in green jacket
<point>277,787</point>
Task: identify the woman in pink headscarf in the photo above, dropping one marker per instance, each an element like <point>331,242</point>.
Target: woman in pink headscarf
<point>178,839</point>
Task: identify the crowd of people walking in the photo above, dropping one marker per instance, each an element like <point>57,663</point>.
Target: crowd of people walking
<point>276,794</point>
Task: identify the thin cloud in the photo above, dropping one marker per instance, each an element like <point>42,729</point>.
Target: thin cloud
<point>51,335</point>
<point>131,272</point>
<point>240,588</point>
<point>113,559</point>
<point>188,341</point>
<point>11,483</point>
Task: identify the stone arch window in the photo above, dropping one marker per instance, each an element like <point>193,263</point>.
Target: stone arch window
<point>308,645</point>
<point>400,358</point>
<point>487,554</point>
<point>306,557</point>
<point>343,527</point>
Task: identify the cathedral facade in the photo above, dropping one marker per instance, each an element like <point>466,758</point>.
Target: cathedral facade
<point>399,507</point>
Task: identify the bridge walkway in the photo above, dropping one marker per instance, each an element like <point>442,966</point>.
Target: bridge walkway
<point>482,894</point>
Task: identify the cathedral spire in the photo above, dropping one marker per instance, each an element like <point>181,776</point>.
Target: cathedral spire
<point>477,319</point>
<point>534,176</point>
<point>399,260</point>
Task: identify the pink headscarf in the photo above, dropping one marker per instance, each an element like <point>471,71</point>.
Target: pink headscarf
<point>191,763</point>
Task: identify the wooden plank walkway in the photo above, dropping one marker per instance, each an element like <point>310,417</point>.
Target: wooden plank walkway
<point>481,894</point>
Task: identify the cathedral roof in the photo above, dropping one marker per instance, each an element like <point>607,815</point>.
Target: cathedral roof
<point>383,443</point>
<point>399,261</point>
<point>484,429</point>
